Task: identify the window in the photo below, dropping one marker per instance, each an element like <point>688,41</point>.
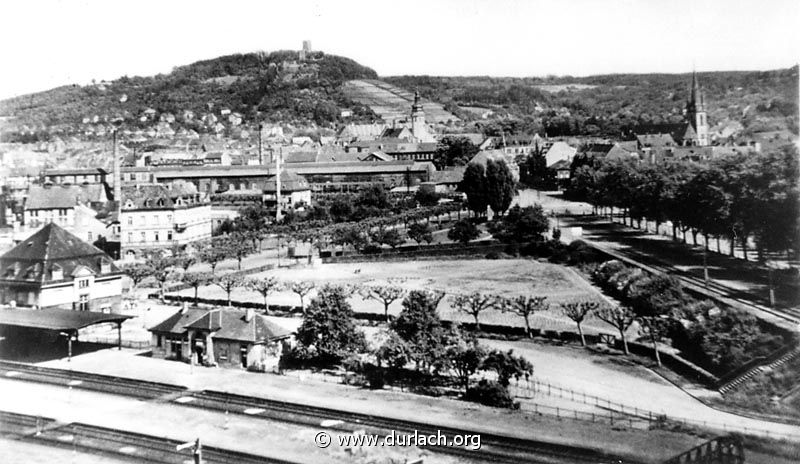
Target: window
<point>130,237</point>
<point>169,235</point>
<point>142,219</point>
<point>158,341</point>
<point>130,220</point>
<point>144,237</point>
<point>83,303</point>
<point>83,283</point>
<point>155,219</point>
<point>90,236</point>
<point>169,219</point>
<point>155,236</point>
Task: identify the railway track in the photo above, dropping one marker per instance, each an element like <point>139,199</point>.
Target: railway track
<point>136,447</point>
<point>714,289</point>
<point>494,448</point>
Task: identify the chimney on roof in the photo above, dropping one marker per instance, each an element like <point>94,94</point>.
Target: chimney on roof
<point>249,314</point>
<point>184,307</point>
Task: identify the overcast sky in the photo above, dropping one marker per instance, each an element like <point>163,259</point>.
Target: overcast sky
<point>48,43</point>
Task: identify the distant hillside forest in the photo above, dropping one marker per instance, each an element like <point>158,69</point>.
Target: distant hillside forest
<point>609,105</point>
<point>277,85</point>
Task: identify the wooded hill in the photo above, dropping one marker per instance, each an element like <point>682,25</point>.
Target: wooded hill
<point>609,104</point>
<point>278,85</point>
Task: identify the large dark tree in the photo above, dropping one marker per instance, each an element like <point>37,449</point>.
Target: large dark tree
<point>454,151</point>
<point>474,186</point>
<point>329,333</point>
<point>500,186</point>
<point>520,225</point>
<point>419,325</point>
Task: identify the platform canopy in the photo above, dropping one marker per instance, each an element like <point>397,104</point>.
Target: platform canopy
<point>56,319</point>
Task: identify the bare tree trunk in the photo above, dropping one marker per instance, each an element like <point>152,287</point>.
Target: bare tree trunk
<point>744,246</point>
<point>580,331</point>
<point>655,348</point>
<point>624,341</point>
<point>528,327</point>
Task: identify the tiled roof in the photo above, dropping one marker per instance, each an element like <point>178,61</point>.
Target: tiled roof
<point>232,324</point>
<point>655,140</point>
<point>64,196</point>
<point>176,323</point>
<point>35,258</point>
<point>290,182</point>
<point>157,196</point>
<point>449,176</point>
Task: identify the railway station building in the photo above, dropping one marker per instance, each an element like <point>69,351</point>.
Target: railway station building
<point>225,337</point>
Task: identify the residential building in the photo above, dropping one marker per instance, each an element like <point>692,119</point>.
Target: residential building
<point>56,203</point>
<point>160,216</point>
<point>223,336</point>
<point>55,269</point>
<point>295,191</point>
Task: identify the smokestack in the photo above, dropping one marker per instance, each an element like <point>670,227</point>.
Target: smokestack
<point>278,214</point>
<point>249,314</point>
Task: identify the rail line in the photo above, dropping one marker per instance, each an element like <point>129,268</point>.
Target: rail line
<point>494,448</point>
<point>114,442</point>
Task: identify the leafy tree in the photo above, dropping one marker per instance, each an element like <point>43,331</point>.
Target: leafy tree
<point>454,151</point>
<point>500,186</point>
<point>524,306</point>
<point>474,185</point>
<point>521,225</point>
<point>577,311</point>
<point>373,196</point>
<point>341,209</point>
<point>420,232</point>
<point>419,325</point>
<point>386,294</point>
<point>386,236</point>
<point>395,352</point>
<point>654,300</point>
<point>265,286</point>
<point>474,304</point>
<point>228,282</point>
<point>465,356</point>
<point>210,252</point>
<point>620,317</point>
<point>426,197</point>
<point>507,365</point>
<point>329,333</point>
<point>162,269</point>
<point>195,280</point>
<point>137,272</point>
<point>463,231</point>
<point>302,289</point>
<point>236,246</point>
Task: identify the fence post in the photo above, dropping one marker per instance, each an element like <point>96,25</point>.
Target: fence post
<point>558,414</point>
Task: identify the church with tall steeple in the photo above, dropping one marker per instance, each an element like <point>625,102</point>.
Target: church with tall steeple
<point>696,114</point>
<point>693,131</point>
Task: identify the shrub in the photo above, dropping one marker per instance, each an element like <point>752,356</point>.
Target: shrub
<point>491,393</point>
<point>493,255</point>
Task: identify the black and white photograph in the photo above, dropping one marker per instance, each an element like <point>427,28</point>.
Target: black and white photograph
<point>400,232</point>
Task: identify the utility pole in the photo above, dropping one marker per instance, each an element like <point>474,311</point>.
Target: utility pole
<point>705,268</point>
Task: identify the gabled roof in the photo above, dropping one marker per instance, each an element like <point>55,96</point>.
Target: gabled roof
<point>232,324</point>
<point>375,156</point>
<point>225,323</point>
<point>290,182</point>
<point>64,196</point>
<point>176,323</point>
<point>655,140</point>
<point>157,196</point>
<point>449,176</point>
<point>52,248</point>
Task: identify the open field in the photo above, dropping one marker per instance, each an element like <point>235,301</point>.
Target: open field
<point>507,277</point>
